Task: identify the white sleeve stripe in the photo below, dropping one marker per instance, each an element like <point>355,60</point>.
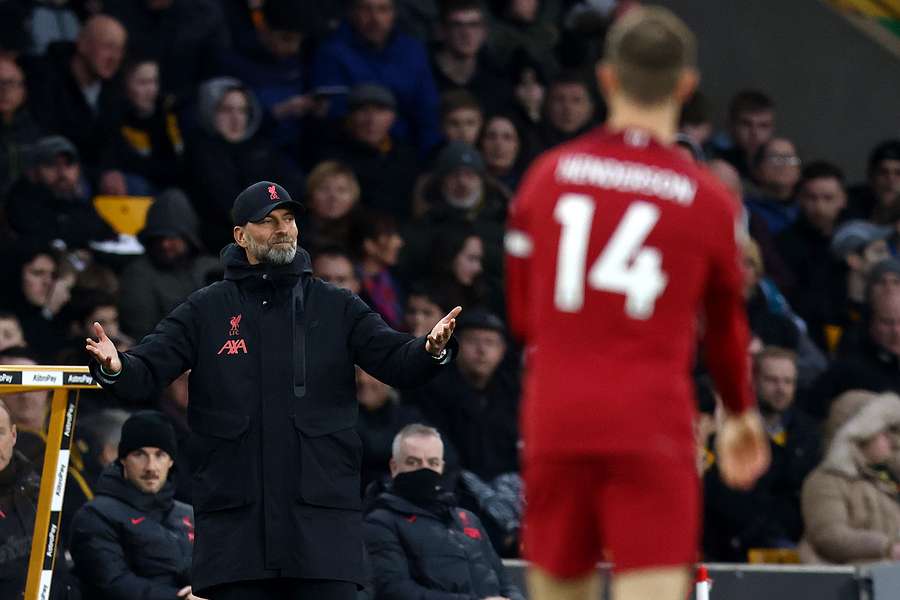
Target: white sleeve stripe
<point>518,243</point>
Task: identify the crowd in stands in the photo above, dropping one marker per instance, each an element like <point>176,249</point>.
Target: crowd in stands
<point>405,127</point>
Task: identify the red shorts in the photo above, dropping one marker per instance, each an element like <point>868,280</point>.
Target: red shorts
<point>632,510</point>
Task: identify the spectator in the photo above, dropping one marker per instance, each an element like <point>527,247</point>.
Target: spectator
<point>100,434</point>
<point>145,153</point>
<point>420,544</point>
<point>880,194</point>
<point>858,246</point>
<point>334,265</point>
<point>272,67</point>
<point>457,268</point>
<point>876,365</point>
<point>17,127</point>
<point>476,401</point>
<point>522,28</point>
<point>378,249</point>
<point>185,37</point>
<point>228,154</point>
<point>37,295</point>
<point>76,94</point>
<point>756,225</point>
<point>174,266</point>
<point>86,308</point>
<point>696,120</point>
<point>52,202</point>
<point>502,144</point>
<point>751,123</point>
<point>134,540</point>
<point>461,61</point>
<point>458,194</point>
<point>768,515</point>
<point>461,117</point>
<point>805,247</point>
<point>424,308</point>
<point>11,334</point>
<point>19,486</point>
<point>767,310</point>
<point>29,411</point>
<point>569,110</point>
<point>381,417</point>
<point>850,502</point>
<point>367,48</point>
<point>332,201</point>
<point>529,93</point>
<point>385,166</point>
<point>776,170</point>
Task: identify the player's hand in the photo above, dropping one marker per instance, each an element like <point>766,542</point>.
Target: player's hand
<point>187,594</point>
<point>742,449</point>
<point>442,332</point>
<point>103,350</point>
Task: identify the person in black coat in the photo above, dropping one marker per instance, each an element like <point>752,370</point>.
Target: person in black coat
<point>475,402</point>
<point>74,91</point>
<point>876,364</point>
<point>227,153</point>
<point>53,202</point>
<point>767,515</point>
<point>420,543</point>
<point>19,488</point>
<point>133,540</point>
<point>275,458</point>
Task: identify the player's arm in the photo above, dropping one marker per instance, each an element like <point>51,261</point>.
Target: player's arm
<point>742,446</point>
<point>518,244</point>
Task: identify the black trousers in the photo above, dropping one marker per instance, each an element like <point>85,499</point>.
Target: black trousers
<point>282,589</point>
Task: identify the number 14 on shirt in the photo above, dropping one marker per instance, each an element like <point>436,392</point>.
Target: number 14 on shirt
<point>625,266</point>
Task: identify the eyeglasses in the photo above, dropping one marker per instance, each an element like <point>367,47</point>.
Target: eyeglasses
<point>784,160</point>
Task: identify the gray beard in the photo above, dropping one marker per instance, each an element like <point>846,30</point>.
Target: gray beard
<point>271,254</point>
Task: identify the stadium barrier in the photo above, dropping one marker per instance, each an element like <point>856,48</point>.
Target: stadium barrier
<point>63,410</point>
<point>876,581</point>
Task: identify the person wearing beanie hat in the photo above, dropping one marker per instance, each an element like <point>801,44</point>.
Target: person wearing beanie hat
<point>271,353</point>
<point>175,264</point>
<point>134,540</point>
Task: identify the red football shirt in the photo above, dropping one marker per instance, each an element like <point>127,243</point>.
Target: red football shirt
<point>616,245</point>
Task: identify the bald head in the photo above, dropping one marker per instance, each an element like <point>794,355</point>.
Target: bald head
<point>101,45</point>
<point>884,326</point>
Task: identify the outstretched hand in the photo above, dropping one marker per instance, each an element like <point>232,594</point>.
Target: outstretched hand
<point>442,332</point>
<point>742,450</point>
<point>103,350</point>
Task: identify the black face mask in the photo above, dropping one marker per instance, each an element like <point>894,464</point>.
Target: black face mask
<point>421,486</point>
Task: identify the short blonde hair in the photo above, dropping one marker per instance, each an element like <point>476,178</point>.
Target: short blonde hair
<point>326,170</point>
<point>649,48</point>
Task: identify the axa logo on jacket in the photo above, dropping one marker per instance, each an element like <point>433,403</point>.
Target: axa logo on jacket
<point>234,346</point>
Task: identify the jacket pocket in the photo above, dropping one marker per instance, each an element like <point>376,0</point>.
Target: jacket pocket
<point>329,468</point>
<point>220,460</point>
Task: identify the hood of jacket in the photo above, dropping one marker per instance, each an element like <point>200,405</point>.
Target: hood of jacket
<point>237,267</point>
<point>112,483</point>
<point>171,215</point>
<point>210,94</point>
<point>844,455</point>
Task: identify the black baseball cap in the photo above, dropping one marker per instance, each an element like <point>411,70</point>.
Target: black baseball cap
<point>257,201</point>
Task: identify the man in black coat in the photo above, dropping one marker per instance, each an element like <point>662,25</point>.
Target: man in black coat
<point>421,545</point>
<point>767,515</point>
<point>133,540</point>
<point>275,457</point>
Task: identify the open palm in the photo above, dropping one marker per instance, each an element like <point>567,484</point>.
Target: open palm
<point>103,350</point>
